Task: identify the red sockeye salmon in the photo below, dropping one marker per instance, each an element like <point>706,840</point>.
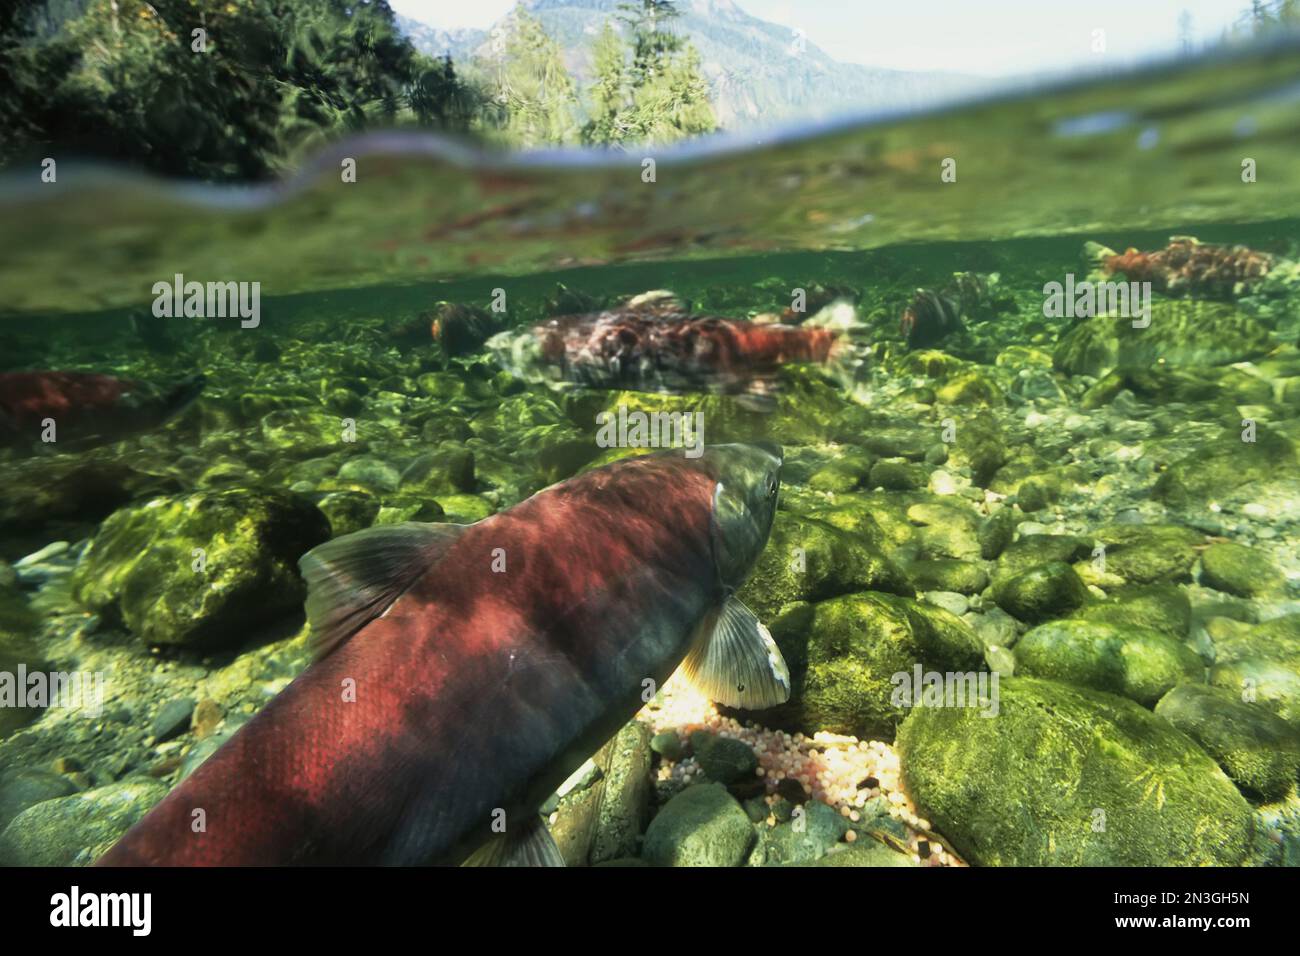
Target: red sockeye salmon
<point>488,662</point>
<point>652,344</point>
<point>84,409</point>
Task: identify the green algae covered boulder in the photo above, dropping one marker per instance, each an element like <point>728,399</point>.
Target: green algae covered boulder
<point>1243,464</point>
<point>701,826</point>
<point>75,830</point>
<point>18,647</point>
<point>970,388</point>
<point>1273,684</point>
<point>1156,607</point>
<point>199,570</point>
<point>1257,749</point>
<point>1239,570</point>
<point>1064,776</point>
<point>1182,333</point>
<point>809,560</point>
<point>845,653</point>
<point>1040,593</point>
<point>1148,553</point>
<point>1132,662</point>
<point>948,574</point>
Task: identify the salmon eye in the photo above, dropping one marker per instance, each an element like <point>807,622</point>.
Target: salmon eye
<point>771,486</point>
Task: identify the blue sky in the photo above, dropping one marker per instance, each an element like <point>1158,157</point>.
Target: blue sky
<point>987,37</point>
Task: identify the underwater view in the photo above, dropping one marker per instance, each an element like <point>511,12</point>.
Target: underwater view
<point>911,488</point>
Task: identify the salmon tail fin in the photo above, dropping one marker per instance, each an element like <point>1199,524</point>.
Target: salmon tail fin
<point>849,352</point>
<point>182,395</point>
<point>528,845</point>
<point>354,579</point>
<point>734,661</point>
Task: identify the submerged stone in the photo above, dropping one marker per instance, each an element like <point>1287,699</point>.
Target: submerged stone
<point>1132,662</point>
<point>1070,777</point>
<point>1258,750</point>
<point>846,657</point>
<point>1042,592</point>
<point>1237,569</point>
<point>701,826</point>
<point>809,560</point>
<point>200,569</point>
<point>75,830</point>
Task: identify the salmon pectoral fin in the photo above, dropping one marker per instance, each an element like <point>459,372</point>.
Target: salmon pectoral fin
<point>734,661</point>
<point>354,579</point>
<point>527,845</point>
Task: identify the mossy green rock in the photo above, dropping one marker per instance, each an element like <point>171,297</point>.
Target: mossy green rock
<point>947,574</point>
<point>1257,749</point>
<point>18,647</point>
<point>1132,662</point>
<point>1237,569</point>
<point>869,853</point>
<point>809,560</point>
<point>23,788</point>
<point>701,826</point>
<point>995,533</point>
<point>843,659</point>
<point>348,511</point>
<point>1182,333</point>
<point>1033,550</point>
<point>724,760</point>
<point>200,569</point>
<point>309,431</point>
<point>981,446</point>
<point>1064,776</point>
<point>1157,607</point>
<point>816,829</point>
<point>465,509</point>
<point>75,830</point>
<point>1231,469</point>
<point>1147,553</point>
<point>970,388</point>
<point>1043,592</point>
<point>895,475</point>
<point>1274,685</point>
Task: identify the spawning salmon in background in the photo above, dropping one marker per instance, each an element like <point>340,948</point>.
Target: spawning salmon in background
<point>86,408</point>
<point>652,343</point>
<point>481,690</point>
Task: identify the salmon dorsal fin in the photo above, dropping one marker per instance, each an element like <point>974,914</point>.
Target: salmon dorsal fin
<point>356,578</point>
<point>735,662</point>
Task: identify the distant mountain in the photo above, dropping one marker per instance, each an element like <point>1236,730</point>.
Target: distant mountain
<point>758,71</point>
<point>460,43</point>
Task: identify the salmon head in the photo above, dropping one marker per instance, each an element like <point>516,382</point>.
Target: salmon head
<point>744,505</point>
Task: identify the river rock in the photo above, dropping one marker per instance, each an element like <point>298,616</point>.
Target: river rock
<point>1065,776</point>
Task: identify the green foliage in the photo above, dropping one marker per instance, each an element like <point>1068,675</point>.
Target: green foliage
<point>237,89</point>
<point>132,81</point>
<point>657,94</point>
<point>536,102</point>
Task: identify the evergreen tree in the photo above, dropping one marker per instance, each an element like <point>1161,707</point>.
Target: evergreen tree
<point>654,93</point>
<point>537,98</point>
<point>130,80</point>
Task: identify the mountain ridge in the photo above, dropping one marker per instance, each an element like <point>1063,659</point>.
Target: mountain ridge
<point>758,72</point>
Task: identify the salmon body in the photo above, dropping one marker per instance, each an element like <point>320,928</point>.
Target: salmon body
<point>1187,265</point>
<point>662,348</point>
<point>86,408</point>
<point>473,668</point>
